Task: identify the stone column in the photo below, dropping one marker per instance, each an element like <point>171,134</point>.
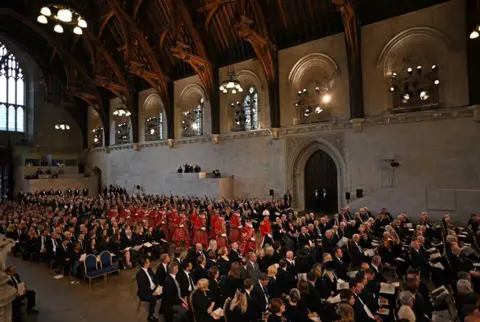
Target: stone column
<point>7,292</point>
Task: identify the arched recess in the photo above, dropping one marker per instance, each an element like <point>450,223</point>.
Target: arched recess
<point>296,166</point>
<point>315,76</point>
<point>152,108</point>
<point>424,46</point>
<point>189,98</point>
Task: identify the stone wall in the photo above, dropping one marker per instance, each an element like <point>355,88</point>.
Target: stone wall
<point>437,150</point>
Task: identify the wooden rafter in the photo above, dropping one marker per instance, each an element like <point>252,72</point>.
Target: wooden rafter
<point>282,12</point>
<point>212,8</point>
<point>197,60</point>
<point>354,56</point>
<point>266,53</point>
<point>104,21</point>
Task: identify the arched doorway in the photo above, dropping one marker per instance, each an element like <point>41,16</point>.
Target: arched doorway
<point>321,186</point>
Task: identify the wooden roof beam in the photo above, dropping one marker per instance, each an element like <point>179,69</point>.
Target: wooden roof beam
<point>352,30</point>
<point>267,54</point>
<point>198,61</point>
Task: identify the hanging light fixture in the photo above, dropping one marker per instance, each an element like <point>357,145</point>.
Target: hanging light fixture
<point>42,19</point>
<point>63,17</point>
<point>232,84</point>
<point>62,127</point>
<point>77,31</point>
<point>46,11</point>
<point>58,28</point>
<point>122,112</point>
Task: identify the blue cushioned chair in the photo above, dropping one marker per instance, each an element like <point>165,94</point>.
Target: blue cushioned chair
<point>106,264</point>
<point>92,269</point>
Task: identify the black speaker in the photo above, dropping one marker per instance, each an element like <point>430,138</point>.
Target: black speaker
<point>347,195</point>
<point>271,192</point>
<point>359,193</point>
<point>138,187</point>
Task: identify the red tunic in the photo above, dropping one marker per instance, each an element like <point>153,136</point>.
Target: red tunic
<point>221,232</point>
<point>265,227</point>
<point>235,228</point>
<point>200,231</point>
<point>213,220</point>
<point>248,240</point>
<point>180,230</point>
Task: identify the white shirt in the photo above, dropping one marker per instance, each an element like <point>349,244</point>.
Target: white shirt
<point>189,281</point>
<point>152,285</point>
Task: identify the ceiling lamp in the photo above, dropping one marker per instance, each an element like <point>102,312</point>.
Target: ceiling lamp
<point>232,84</point>
<point>82,23</point>
<point>475,33</point>
<point>77,31</point>
<point>42,19</point>
<point>58,28</point>
<point>46,11</point>
<point>62,127</point>
<point>64,15</point>
<point>121,112</point>
<point>326,98</point>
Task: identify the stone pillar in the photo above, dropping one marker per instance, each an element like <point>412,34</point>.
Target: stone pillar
<point>7,292</point>
<point>47,159</point>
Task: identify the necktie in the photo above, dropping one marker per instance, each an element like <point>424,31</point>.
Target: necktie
<point>178,288</point>
<point>190,282</point>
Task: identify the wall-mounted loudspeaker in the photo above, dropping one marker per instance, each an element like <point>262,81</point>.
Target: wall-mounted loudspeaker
<point>359,193</point>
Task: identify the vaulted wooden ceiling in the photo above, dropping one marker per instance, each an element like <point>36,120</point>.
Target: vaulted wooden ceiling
<point>134,44</point>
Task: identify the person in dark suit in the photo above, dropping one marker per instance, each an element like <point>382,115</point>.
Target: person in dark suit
<point>234,254</point>
<point>303,239</point>
<point>174,307</point>
<point>202,303</point>
<point>254,308</point>
<point>362,312</point>
<point>162,269</point>
<point>216,291</point>
<point>341,268</point>
<point>200,270</point>
<point>285,279</point>
<point>147,286</point>
<point>29,295</point>
<point>357,256</point>
<point>260,292</point>
<point>185,279</point>
<point>63,257</point>
<point>314,300</point>
<point>377,268</point>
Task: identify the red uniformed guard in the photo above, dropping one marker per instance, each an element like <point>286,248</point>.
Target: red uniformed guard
<point>180,231</point>
<point>248,238</point>
<point>235,228</point>
<point>200,230</point>
<point>221,232</point>
<point>266,229</point>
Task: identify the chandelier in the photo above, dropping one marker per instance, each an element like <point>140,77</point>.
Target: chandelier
<point>61,15</point>
<point>232,84</point>
<point>62,127</point>
<point>122,112</point>
<point>415,87</point>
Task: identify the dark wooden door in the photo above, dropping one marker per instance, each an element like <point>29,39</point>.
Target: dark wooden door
<point>321,173</point>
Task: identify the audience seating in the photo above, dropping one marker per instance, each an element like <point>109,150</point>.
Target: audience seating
<point>107,266</point>
<point>92,270</point>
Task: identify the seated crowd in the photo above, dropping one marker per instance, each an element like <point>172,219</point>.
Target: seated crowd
<point>248,260</point>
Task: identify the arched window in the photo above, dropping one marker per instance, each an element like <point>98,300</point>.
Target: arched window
<point>192,121</point>
<point>154,118</point>
<point>97,136</point>
<point>12,93</point>
<point>154,128</point>
<point>123,133</point>
<point>246,114</point>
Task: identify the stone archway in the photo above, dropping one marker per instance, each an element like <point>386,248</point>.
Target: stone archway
<point>296,169</point>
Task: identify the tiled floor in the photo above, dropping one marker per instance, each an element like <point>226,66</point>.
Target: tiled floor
<point>60,301</point>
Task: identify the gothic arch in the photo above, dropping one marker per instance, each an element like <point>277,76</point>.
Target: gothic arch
<point>407,39</point>
<point>152,102</point>
<point>309,61</point>
<point>191,89</point>
<point>296,166</point>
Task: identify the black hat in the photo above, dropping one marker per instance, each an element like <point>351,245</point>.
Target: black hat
<point>329,266</point>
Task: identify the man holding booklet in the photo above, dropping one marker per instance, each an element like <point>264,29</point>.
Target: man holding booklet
<point>148,290</point>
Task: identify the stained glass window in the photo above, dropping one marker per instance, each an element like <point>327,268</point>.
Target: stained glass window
<point>12,93</point>
<point>154,128</point>
<point>246,115</point>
